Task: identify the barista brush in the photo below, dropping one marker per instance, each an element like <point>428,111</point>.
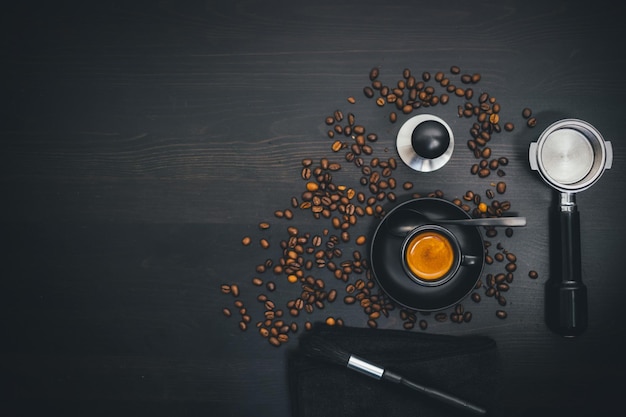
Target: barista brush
<point>318,347</point>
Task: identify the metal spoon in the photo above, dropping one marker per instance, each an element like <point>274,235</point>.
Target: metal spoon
<point>406,220</point>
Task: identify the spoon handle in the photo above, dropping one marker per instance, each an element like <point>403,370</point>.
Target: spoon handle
<point>488,221</point>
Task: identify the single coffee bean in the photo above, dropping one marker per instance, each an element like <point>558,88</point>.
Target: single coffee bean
<point>246,241</point>
<point>374,72</point>
<point>475,297</point>
<point>533,274</point>
<point>501,314</point>
<point>459,309</point>
<point>423,324</point>
<point>234,290</point>
<point>509,126</point>
<point>441,317</point>
<point>274,341</point>
<point>511,267</point>
<point>484,173</point>
<point>501,187</point>
<point>368,91</point>
<point>526,113</point>
<point>532,122</point>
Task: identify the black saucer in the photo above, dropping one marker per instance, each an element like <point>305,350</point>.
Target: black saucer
<point>386,259</point>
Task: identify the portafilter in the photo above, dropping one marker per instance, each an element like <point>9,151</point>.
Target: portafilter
<point>570,156</point>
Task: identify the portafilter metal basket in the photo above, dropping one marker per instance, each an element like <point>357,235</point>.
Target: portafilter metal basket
<point>570,155</point>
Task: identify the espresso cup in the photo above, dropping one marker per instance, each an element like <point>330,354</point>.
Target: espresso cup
<point>431,255</point>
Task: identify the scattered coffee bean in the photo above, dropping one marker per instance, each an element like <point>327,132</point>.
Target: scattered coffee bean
<point>441,317</point>
<point>533,274</point>
<point>374,72</point>
<point>484,173</point>
<point>526,113</point>
<point>501,314</point>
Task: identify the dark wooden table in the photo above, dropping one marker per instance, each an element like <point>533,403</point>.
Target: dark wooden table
<point>140,143</point>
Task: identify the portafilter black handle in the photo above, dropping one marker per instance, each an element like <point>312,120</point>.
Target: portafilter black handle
<point>566,295</point>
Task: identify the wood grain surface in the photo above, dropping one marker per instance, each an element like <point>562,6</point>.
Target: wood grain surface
<point>141,141</point>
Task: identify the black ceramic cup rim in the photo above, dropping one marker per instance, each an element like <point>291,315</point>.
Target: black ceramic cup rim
<point>455,247</point>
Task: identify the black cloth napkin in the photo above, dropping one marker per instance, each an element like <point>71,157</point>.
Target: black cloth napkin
<point>465,366</point>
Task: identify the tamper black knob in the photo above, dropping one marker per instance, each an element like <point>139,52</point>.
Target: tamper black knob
<point>430,139</point>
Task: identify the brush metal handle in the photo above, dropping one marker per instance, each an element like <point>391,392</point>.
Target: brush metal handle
<point>357,364</point>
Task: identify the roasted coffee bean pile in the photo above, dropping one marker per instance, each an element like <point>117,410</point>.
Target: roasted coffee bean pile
<point>313,265</point>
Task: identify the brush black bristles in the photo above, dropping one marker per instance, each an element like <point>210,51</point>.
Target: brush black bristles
<point>318,347</point>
